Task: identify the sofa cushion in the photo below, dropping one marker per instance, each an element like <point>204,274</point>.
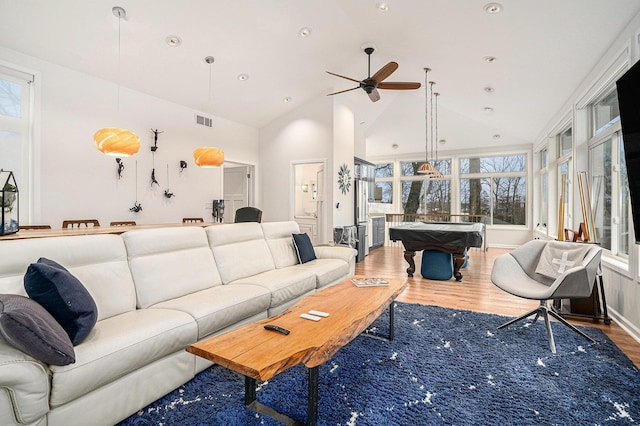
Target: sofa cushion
<point>327,271</point>
<point>167,263</point>
<point>63,295</point>
<point>217,308</point>
<point>98,261</point>
<point>27,326</point>
<point>240,250</point>
<point>118,346</point>
<point>278,236</point>
<point>285,284</point>
<point>304,248</point>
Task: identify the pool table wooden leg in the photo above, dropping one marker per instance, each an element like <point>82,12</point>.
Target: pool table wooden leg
<point>408,256</point>
<point>458,261</point>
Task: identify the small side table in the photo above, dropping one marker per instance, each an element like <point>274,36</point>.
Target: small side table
<point>594,306</point>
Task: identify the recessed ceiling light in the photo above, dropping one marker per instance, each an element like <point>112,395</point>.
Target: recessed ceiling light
<point>173,40</point>
<point>496,136</point>
<point>382,7</point>
<point>493,8</point>
<point>489,58</point>
<point>243,77</point>
<point>488,110</point>
<point>489,89</point>
<point>442,141</point>
<point>304,32</point>
<point>287,99</point>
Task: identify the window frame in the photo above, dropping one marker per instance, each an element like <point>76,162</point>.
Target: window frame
<point>492,176</point>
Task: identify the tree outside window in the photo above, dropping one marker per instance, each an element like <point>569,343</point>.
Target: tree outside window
<point>496,186</point>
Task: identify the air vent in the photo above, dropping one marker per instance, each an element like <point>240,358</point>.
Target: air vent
<point>204,121</point>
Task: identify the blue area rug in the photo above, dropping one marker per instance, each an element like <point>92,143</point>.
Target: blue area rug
<point>445,366</point>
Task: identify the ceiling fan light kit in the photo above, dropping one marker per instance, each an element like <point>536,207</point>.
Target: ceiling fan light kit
<point>372,83</point>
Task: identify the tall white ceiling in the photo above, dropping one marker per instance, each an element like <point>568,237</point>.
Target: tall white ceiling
<point>544,49</point>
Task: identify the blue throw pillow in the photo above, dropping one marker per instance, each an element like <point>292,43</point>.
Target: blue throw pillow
<point>304,248</point>
<point>27,326</point>
<point>64,296</point>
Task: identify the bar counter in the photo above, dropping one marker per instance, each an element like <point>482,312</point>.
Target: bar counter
<point>59,232</point>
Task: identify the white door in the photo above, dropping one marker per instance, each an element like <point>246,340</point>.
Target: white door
<point>235,190</point>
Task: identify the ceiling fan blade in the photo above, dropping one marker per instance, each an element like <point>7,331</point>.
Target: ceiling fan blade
<point>399,85</point>
<point>342,91</point>
<point>342,76</point>
<point>374,95</point>
<point>385,72</point>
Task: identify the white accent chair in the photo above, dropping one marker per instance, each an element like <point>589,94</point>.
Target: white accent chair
<point>515,273</point>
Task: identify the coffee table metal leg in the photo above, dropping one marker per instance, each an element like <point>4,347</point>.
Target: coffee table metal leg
<point>312,402</point>
<point>391,321</point>
<point>250,400</point>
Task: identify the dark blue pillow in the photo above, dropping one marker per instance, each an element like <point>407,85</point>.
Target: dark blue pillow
<point>304,248</point>
<point>27,326</point>
<point>64,296</point>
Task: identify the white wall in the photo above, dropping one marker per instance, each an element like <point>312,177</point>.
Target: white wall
<point>74,180</point>
<point>304,135</point>
<point>343,151</point>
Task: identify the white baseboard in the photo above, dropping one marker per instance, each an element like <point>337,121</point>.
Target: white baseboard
<point>631,329</point>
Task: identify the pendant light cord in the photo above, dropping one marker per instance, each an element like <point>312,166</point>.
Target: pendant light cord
<point>426,115</point>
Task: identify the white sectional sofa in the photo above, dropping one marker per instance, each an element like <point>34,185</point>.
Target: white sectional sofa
<point>156,291</point>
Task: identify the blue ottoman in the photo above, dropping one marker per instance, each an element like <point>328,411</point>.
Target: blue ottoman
<point>436,265</point>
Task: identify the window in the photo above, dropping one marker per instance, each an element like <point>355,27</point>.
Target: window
<point>15,125</point>
<point>606,112</point>
<point>544,191</point>
<point>495,186</point>
<point>610,194</point>
<point>565,169</point>
<point>565,142</point>
<point>383,189</point>
<point>425,195</point>
<point>608,177</point>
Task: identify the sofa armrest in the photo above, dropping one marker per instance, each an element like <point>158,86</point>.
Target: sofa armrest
<point>24,387</point>
<point>334,252</point>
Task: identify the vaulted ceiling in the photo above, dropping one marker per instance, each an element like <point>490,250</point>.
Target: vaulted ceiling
<point>542,48</point>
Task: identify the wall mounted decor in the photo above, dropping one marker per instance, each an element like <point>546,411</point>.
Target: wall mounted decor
<point>183,165</point>
<point>155,132</point>
<point>167,193</point>
<point>137,207</point>
<point>153,153</point>
<point>120,168</point>
<point>9,203</point>
<point>344,178</point>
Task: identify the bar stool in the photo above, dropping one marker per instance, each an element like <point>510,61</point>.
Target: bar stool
<point>123,223</point>
<point>192,219</point>
<point>77,223</point>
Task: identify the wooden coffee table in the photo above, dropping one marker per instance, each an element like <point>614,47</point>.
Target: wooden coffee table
<point>261,354</point>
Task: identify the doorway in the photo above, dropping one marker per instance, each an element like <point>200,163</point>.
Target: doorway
<point>308,199</point>
<point>237,189</point>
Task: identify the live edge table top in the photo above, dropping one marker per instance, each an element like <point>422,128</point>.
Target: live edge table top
<point>261,354</point>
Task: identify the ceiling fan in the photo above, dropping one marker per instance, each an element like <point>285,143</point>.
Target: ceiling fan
<point>372,83</point>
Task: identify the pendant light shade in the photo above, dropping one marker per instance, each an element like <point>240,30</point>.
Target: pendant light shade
<point>207,156</point>
<point>117,142</point>
<point>112,140</point>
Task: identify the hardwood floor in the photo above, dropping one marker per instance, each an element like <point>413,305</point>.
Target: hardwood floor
<point>475,292</point>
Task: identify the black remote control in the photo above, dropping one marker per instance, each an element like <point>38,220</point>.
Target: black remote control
<point>276,328</point>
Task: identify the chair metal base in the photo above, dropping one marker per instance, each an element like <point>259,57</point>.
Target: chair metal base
<point>543,311</point>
